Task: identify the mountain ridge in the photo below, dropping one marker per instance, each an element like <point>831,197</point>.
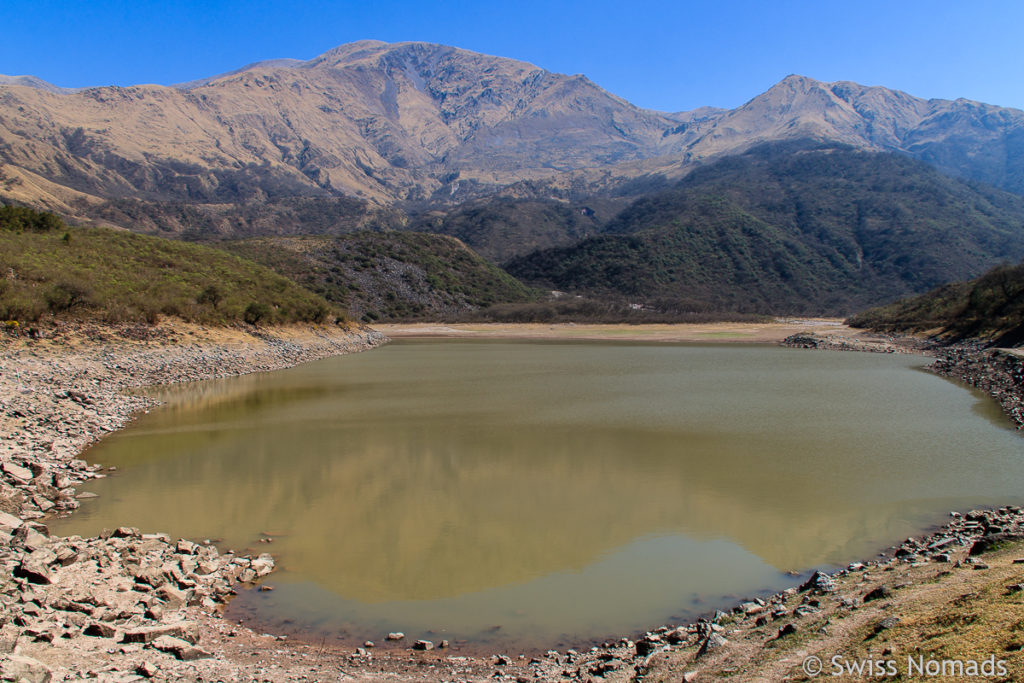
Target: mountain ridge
<point>419,124</point>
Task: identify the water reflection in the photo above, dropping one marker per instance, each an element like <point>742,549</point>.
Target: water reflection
<point>454,483</point>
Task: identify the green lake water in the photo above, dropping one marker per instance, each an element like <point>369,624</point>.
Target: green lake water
<point>532,494</point>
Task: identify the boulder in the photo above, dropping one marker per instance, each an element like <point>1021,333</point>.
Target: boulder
<point>99,630</point>
<point>185,630</point>
<point>8,522</point>
<point>710,644</point>
<point>33,572</point>
<point>181,649</point>
<point>20,668</point>
<point>878,593</point>
<point>19,474</point>
<point>992,541</point>
<point>820,582</point>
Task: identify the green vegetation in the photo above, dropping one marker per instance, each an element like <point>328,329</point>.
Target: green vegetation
<point>389,275</point>
<point>51,269</point>
<point>989,307</point>
<point>502,228</point>
<point>193,221</point>
<point>797,228</point>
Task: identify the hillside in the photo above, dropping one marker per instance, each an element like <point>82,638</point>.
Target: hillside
<point>792,228</point>
<point>421,125</point>
<point>990,307</point>
<point>52,269</point>
<point>389,275</point>
<point>501,228</point>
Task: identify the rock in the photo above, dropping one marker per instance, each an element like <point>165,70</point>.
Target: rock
<point>33,573</point>
<point>99,630</point>
<point>21,475</point>
<point>710,644</point>
<point>887,623</point>
<point>126,532</point>
<point>186,547</point>
<point>146,670</point>
<point>676,636</point>
<point>65,555</point>
<point>992,541</point>
<point>749,608</point>
<point>262,565</point>
<point>171,596</point>
<point>25,669</point>
<point>186,630</point>
<point>644,647</point>
<point>8,522</point>
<point>878,593</point>
<point>787,630</point>
<point>423,645</point>
<point>398,635</point>
<point>820,582</point>
<point>151,576</point>
<point>28,538</point>
<point>181,649</point>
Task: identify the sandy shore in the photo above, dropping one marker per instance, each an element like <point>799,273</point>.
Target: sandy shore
<point>762,333</point>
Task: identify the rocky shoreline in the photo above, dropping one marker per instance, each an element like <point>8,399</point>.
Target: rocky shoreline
<point>997,372</point>
<point>128,605</point>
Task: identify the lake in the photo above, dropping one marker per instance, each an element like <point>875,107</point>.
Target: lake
<point>533,494</point>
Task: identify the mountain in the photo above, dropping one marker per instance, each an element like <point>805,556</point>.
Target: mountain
<point>415,126</point>
<point>389,275</point>
<point>989,307</point>
<point>797,227</point>
<point>384,122</point>
<point>30,82</point>
<point>964,138</point>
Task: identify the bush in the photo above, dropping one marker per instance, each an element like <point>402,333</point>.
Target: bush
<point>64,296</point>
<point>255,313</point>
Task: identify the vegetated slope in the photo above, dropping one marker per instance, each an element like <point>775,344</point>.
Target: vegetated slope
<point>988,307</point>
<point>793,228</point>
<point>50,268</point>
<point>500,228</point>
<point>389,275</point>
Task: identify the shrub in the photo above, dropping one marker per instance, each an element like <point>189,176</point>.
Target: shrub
<point>255,313</point>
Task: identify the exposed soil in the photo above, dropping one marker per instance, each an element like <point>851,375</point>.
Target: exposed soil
<point>763,333</point>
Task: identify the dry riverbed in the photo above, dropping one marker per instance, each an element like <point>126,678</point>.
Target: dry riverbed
<point>138,605</point>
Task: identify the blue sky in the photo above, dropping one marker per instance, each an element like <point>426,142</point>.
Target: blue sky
<point>671,56</point>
